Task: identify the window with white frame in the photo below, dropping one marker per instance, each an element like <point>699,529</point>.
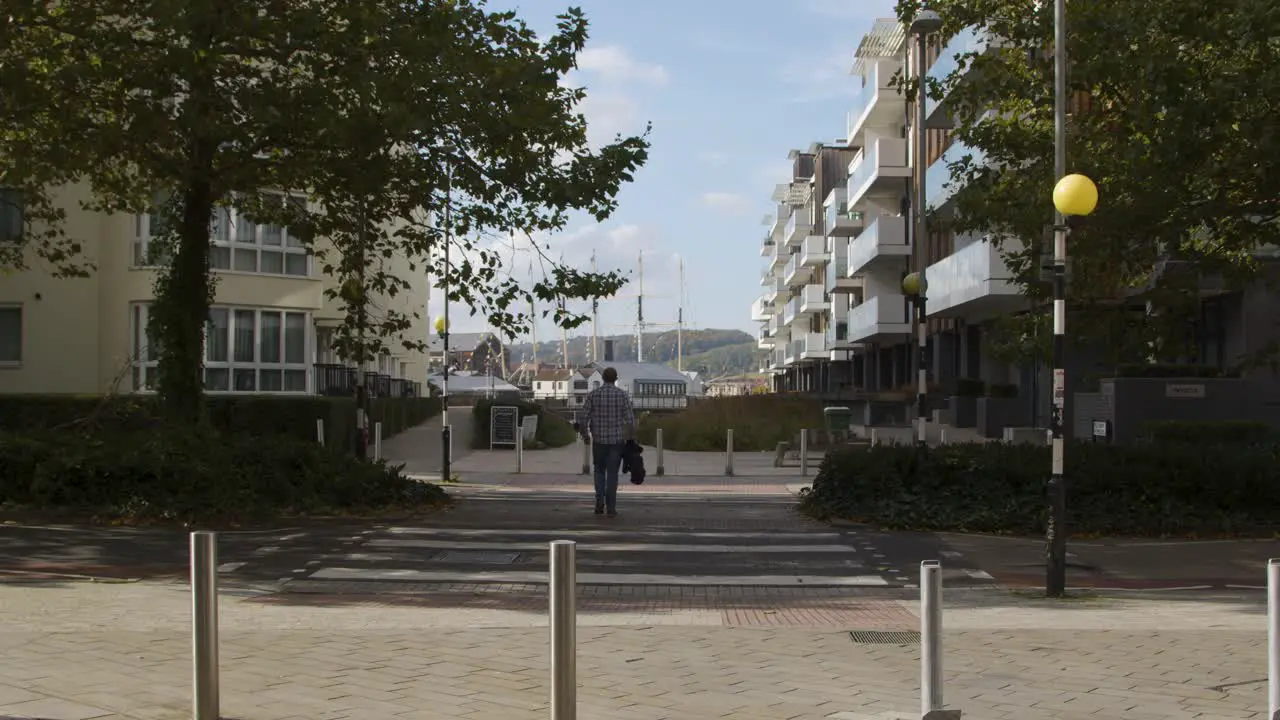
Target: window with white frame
<point>12,215</point>
<point>237,243</point>
<point>246,350</point>
<point>10,335</point>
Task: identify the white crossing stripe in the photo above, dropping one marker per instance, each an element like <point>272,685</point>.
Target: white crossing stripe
<point>610,547</point>
<point>540,578</point>
<point>570,533</point>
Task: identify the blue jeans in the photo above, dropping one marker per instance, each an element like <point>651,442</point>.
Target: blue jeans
<point>607,460</point>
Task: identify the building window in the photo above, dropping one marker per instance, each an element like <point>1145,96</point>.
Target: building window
<point>659,389</point>
<point>10,334</point>
<point>579,384</point>
<point>12,215</point>
<point>237,243</point>
<point>245,350</point>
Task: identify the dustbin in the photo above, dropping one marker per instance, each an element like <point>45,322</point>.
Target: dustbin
<point>837,419</point>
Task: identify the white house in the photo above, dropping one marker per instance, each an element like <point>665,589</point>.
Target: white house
<point>651,386</point>
<point>552,384</point>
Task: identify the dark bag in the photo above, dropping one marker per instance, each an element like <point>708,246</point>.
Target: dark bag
<point>633,462</point>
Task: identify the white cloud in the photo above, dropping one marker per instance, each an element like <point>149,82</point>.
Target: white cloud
<point>613,64</point>
<point>818,78</point>
<point>608,115</point>
<point>726,203</point>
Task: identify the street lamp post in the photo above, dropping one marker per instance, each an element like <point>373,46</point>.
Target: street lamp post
<point>442,327</point>
<point>925,23</point>
<point>1073,196</point>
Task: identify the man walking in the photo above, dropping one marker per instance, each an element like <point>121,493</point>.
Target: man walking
<point>610,422</point>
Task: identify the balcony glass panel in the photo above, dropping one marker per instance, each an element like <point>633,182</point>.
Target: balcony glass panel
<point>938,186</point>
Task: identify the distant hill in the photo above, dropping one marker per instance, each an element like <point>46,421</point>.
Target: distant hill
<point>712,352</point>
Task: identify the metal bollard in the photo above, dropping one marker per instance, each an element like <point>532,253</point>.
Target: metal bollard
<point>728,452</point>
<point>320,431</point>
<point>520,452</point>
<point>564,631</point>
<point>1273,638</point>
<point>804,453</point>
<point>930,637</point>
<point>586,457</point>
<point>661,470</point>
<point>875,437</point>
<point>377,441</point>
<point>204,626</point>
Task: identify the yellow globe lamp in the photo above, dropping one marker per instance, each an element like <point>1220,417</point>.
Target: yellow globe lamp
<point>914,284</point>
<point>442,325</point>
<point>1076,195</point>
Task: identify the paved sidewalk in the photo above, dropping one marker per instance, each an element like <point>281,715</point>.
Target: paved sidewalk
<point>568,461</point>
<point>122,651</point>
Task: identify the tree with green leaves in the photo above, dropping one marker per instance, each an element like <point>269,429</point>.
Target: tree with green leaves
<point>363,108</point>
<point>1173,116</point>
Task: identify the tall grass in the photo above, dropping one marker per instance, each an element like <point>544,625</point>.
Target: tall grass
<point>759,422</point>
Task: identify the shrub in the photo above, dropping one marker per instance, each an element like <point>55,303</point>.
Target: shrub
<point>970,387</point>
<point>1153,490</point>
<point>553,430</point>
<point>1165,370</point>
<point>258,415</point>
<point>1228,432</point>
<point>197,476</point>
<point>1002,390</point>
<point>759,422</point>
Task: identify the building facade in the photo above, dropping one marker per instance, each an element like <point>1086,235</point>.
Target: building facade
<point>833,316</point>
<point>270,329</point>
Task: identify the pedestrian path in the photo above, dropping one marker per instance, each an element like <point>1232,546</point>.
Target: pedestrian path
<point>451,559</point>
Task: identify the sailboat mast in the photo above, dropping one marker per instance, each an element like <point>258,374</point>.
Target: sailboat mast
<point>595,317</point>
<point>680,323</point>
<point>640,313</point>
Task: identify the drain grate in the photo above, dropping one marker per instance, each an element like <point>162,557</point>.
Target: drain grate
<point>884,637</point>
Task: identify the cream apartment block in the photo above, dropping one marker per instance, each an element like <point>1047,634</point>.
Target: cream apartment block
<point>270,329</point>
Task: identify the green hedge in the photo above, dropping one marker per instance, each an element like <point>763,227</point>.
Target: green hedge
<point>1228,432</point>
<point>289,415</point>
<point>1151,490</point>
<point>553,430</point>
<point>196,477</point>
<point>759,422</point>
<point>1166,370</point>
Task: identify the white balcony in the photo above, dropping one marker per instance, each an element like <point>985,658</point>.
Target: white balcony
<point>973,283</point>
<point>883,243</point>
<point>790,311</point>
<point>796,272</point>
<point>877,103</point>
<point>838,220</point>
<point>814,251</point>
<point>880,318</point>
<point>765,339</point>
<point>776,291</point>
<point>813,299</point>
<point>762,309</point>
<point>779,221</point>
<point>777,323</point>
<point>797,227</point>
<point>939,190</point>
<point>778,359</point>
<point>964,43</point>
<point>768,247</point>
<point>881,161</point>
<point>838,279</point>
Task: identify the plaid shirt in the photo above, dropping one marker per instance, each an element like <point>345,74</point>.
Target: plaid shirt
<point>609,415</point>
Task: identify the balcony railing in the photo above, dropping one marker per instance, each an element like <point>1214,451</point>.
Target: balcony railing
<point>768,247</point>
<point>337,380</point>
<point>938,186</point>
<point>871,317</point>
<point>884,235</point>
<point>839,220</point>
<point>814,250</point>
<point>792,274</point>
<point>793,309</point>
<point>813,298</point>
<point>877,154</point>
<point>967,41</point>
<point>969,274</point>
<point>875,83</point>
<point>838,267</point>
<point>837,334</point>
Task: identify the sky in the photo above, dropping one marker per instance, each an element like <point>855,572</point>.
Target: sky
<point>730,88</point>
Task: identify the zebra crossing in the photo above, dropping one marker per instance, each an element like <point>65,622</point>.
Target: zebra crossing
<point>612,557</point>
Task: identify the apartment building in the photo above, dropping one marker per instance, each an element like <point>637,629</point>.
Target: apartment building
<point>270,330</point>
<point>844,323</point>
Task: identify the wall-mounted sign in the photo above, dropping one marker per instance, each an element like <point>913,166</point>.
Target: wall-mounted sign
<point>1100,428</point>
<point>1182,390</point>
